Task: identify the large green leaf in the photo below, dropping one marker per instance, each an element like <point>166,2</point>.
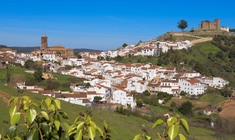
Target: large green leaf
<point>57,125</point>
<point>12,131</point>
<point>17,138</point>
<point>57,103</point>
<point>51,107</point>
<point>80,125</point>
<point>158,122</point>
<point>12,111</point>
<point>182,137</point>
<point>173,131</point>
<point>185,125</point>
<point>78,136</point>
<point>32,135</point>
<point>26,98</point>
<point>15,118</point>
<point>91,133</point>
<point>45,115</point>
<point>137,137</point>
<point>31,115</point>
<point>26,105</point>
<point>72,129</point>
<point>48,102</point>
<point>171,121</point>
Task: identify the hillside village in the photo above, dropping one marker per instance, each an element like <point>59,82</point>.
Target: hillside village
<point>112,81</point>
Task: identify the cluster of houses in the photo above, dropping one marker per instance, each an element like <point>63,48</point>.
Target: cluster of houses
<point>115,82</point>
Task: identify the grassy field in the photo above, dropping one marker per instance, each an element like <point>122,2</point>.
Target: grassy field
<point>2,75</point>
<point>123,127</point>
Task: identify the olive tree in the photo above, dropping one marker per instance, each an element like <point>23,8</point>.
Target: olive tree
<point>182,24</point>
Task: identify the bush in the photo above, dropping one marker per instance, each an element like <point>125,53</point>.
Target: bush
<point>219,109</point>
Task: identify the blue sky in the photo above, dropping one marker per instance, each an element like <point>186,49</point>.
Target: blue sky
<point>103,24</point>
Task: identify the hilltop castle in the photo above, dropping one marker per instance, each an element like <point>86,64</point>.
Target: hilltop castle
<point>208,25</point>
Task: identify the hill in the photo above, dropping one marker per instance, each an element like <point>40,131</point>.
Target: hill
<point>211,54</point>
<point>123,127</point>
<point>30,49</point>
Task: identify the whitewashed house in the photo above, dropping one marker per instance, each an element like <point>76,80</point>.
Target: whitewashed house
<point>121,96</point>
<point>215,82</point>
<point>192,86</point>
<point>169,86</point>
<point>147,51</point>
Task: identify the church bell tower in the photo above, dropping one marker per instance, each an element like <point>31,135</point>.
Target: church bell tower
<point>44,42</point>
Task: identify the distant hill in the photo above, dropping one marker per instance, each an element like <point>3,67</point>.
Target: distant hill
<point>30,49</point>
<point>86,50</point>
<point>24,49</point>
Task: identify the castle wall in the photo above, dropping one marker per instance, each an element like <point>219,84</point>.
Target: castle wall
<point>207,25</point>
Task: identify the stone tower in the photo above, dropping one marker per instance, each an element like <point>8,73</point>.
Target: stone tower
<point>44,42</point>
<point>217,24</point>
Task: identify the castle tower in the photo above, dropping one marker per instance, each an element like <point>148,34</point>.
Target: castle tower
<point>217,24</point>
<point>44,42</point>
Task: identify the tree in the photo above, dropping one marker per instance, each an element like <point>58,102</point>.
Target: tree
<point>38,75</point>
<point>97,99</point>
<point>186,108</point>
<point>139,102</point>
<point>170,129</point>
<point>84,128</point>
<point>182,24</point>
<point>124,45</point>
<point>29,64</point>
<point>44,121</point>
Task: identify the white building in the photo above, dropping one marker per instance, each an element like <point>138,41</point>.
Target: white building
<point>192,86</point>
<point>215,82</point>
<point>122,97</point>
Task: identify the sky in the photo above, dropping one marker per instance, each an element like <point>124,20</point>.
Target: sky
<point>103,24</point>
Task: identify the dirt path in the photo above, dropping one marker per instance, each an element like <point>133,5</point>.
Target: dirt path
<point>228,108</point>
<point>4,97</point>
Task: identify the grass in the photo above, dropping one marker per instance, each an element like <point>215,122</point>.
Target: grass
<point>201,51</point>
<point>123,127</point>
<point>2,75</point>
<point>212,98</point>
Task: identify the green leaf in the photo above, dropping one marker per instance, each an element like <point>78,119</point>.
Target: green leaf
<point>91,133</point>
<point>31,115</point>
<point>11,131</point>
<point>182,137</point>
<point>45,115</point>
<point>51,107</point>
<point>80,125</point>
<point>48,102</point>
<point>14,100</point>
<point>64,114</point>
<point>46,129</point>
<point>137,137</point>
<point>100,131</point>
<point>173,131</point>
<point>148,137</point>
<point>78,136</point>
<point>32,135</point>
<point>26,105</point>
<point>185,125</point>
<point>171,121</point>
<point>158,122</point>
<point>72,129</point>
<point>12,111</point>
<point>57,103</point>
<point>17,138</point>
<point>26,98</point>
<point>15,118</point>
<point>57,125</point>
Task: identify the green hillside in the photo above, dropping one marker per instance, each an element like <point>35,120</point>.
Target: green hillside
<point>123,127</point>
<point>211,58</point>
